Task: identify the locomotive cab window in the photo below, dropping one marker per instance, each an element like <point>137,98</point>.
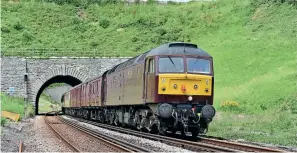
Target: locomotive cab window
<point>171,64</point>
<point>151,68</point>
<point>197,65</point>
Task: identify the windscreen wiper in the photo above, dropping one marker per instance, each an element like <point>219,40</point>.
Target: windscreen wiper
<point>171,60</point>
<point>196,60</point>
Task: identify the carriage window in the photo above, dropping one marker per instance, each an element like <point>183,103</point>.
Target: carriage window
<point>151,66</point>
<point>90,89</point>
<point>94,87</point>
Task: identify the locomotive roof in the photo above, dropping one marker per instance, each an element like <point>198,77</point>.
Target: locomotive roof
<point>178,48</point>
<point>173,48</point>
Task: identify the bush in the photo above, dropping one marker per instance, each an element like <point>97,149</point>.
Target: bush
<point>257,3</point>
<point>104,23</point>
<point>29,112</point>
<point>27,36</point>
<point>3,120</point>
<point>81,3</point>
<point>18,26</point>
<point>5,29</point>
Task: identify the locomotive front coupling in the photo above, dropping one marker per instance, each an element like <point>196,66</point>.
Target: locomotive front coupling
<point>186,112</point>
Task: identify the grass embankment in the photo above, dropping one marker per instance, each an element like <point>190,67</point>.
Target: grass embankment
<point>47,104</point>
<point>15,105</point>
<point>254,49</point>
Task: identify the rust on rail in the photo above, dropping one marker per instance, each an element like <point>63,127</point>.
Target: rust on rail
<point>21,145</point>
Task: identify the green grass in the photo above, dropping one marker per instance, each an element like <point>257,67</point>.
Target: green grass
<point>253,46</point>
<point>15,105</point>
<point>45,103</point>
<point>276,126</point>
<point>3,120</point>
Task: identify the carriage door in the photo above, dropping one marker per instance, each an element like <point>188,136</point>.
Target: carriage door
<point>122,82</point>
<point>149,80</point>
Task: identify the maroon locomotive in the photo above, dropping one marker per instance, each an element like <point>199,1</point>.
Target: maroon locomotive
<point>168,88</point>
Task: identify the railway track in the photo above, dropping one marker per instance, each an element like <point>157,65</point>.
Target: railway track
<point>203,144</point>
<point>56,132</point>
<point>237,146</point>
<point>193,146</point>
<point>112,143</point>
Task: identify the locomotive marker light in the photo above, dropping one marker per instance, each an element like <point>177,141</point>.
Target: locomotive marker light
<point>175,86</point>
<point>195,86</point>
<point>206,82</point>
<point>190,98</point>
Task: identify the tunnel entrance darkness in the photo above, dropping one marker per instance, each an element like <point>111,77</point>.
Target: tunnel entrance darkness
<point>72,81</point>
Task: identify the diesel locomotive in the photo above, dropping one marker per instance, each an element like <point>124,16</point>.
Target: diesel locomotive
<point>167,89</point>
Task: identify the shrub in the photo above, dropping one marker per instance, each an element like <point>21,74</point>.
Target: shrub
<point>5,29</point>
<point>28,36</point>
<point>18,26</point>
<point>104,23</point>
<point>29,112</point>
<point>3,120</point>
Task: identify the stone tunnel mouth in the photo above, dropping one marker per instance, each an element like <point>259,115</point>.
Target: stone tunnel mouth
<point>70,80</point>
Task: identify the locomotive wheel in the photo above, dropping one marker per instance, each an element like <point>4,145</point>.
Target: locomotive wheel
<point>194,133</point>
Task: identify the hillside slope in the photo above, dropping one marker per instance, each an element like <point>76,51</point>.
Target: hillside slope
<point>254,50</point>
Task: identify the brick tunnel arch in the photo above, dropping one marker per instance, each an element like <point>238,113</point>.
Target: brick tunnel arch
<point>57,74</point>
<point>70,80</point>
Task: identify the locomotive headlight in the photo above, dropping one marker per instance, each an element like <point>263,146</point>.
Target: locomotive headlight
<point>195,86</point>
<point>206,82</point>
<point>190,98</point>
<point>175,86</point>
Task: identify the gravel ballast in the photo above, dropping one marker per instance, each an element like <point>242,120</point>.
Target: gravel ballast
<point>35,135</point>
<point>83,142</point>
<point>43,139</point>
<point>152,145</point>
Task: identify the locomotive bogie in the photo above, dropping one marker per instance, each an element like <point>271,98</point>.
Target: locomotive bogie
<point>168,117</point>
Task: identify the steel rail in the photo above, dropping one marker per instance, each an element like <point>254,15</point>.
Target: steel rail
<point>238,146</point>
<point>190,145</point>
<point>21,146</point>
<point>71,146</point>
<point>127,147</point>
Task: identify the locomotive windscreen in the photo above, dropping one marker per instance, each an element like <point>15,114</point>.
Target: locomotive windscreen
<point>196,65</point>
<point>171,64</point>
